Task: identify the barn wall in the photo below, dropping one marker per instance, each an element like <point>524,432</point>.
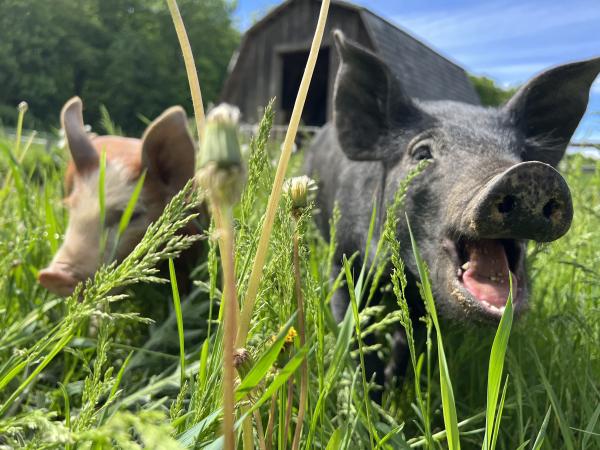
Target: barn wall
<point>257,74</point>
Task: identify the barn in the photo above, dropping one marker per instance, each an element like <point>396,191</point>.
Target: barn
<point>270,61</point>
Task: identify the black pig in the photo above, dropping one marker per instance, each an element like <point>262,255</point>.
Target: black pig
<point>490,185</point>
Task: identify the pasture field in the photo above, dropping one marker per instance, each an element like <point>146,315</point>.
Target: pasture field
<point>103,369</point>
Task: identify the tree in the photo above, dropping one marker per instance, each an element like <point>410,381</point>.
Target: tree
<point>120,53</point>
<point>489,92</point>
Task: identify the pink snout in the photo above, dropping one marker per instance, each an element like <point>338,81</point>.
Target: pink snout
<point>58,278</point>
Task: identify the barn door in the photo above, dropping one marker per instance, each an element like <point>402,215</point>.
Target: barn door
<point>292,68</point>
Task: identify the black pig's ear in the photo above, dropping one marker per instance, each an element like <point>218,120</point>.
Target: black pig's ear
<point>549,107</point>
<point>168,151</point>
<point>368,101</point>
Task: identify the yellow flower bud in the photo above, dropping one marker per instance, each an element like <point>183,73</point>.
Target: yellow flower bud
<point>242,361</point>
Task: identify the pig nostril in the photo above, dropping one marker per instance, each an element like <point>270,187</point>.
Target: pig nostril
<point>507,204</point>
<point>550,208</point>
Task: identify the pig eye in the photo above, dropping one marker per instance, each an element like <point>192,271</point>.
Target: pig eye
<point>421,152</point>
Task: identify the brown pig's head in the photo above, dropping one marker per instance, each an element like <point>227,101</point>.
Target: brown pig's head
<point>165,152</point>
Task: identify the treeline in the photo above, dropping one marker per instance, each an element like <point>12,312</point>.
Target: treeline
<point>123,54</point>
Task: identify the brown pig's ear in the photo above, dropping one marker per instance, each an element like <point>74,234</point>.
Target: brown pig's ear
<point>168,151</point>
<point>82,151</point>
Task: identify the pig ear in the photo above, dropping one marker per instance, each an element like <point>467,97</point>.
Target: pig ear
<point>368,101</point>
<point>168,150</point>
<point>549,107</point>
<point>82,151</point>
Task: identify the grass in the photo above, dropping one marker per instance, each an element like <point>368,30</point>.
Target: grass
<point>129,361</point>
<point>154,379</point>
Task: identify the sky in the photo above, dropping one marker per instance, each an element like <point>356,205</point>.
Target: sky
<point>506,40</point>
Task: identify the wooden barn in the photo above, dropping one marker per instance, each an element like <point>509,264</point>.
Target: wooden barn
<point>272,55</point>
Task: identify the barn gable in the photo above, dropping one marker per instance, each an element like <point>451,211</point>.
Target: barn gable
<point>272,55</point>
<point>425,73</point>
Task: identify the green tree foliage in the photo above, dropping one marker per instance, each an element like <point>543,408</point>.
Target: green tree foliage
<point>122,54</point>
<point>489,92</point>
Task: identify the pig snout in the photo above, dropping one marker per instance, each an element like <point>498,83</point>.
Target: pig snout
<point>530,200</point>
<point>58,278</point>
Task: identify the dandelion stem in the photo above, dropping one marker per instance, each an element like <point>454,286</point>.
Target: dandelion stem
<point>230,324</point>
<point>190,66</point>
<point>288,409</point>
<point>302,337</point>
<point>271,422</point>
<point>263,243</point>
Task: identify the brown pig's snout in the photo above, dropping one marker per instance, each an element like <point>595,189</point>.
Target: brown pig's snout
<point>58,278</point>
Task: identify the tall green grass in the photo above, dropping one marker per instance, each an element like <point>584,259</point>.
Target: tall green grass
<point>154,379</point>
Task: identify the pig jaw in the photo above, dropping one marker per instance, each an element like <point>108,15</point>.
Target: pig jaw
<point>477,278</point>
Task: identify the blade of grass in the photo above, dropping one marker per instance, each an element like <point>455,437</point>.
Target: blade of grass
<point>499,415</point>
<point>589,429</point>
<point>67,412</point>
<point>354,306</point>
<point>178,315</point>
<point>496,366</point>
<point>102,200</point>
<point>539,440</point>
<point>562,421</point>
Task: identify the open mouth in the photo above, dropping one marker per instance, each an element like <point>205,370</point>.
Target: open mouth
<point>485,269</point>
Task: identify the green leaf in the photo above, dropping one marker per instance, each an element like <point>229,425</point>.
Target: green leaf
<point>335,441</point>
<point>264,363</point>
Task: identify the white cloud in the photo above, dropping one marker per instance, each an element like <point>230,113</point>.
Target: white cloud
<point>493,22</point>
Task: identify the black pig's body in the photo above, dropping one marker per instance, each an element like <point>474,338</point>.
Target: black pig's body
<point>489,187</point>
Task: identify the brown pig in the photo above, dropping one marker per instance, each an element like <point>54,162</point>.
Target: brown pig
<point>166,152</point>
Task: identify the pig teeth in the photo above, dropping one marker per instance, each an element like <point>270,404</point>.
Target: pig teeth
<point>493,307</point>
<point>465,266</point>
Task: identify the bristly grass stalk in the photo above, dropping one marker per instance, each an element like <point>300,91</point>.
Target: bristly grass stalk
<point>286,152</point>
<point>447,393</point>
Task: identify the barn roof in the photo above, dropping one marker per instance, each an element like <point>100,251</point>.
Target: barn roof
<point>425,73</point>
<point>416,64</point>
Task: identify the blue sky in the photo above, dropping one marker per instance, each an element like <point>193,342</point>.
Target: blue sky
<point>506,40</point>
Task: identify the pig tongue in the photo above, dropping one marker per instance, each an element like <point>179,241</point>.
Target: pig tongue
<point>486,277</point>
